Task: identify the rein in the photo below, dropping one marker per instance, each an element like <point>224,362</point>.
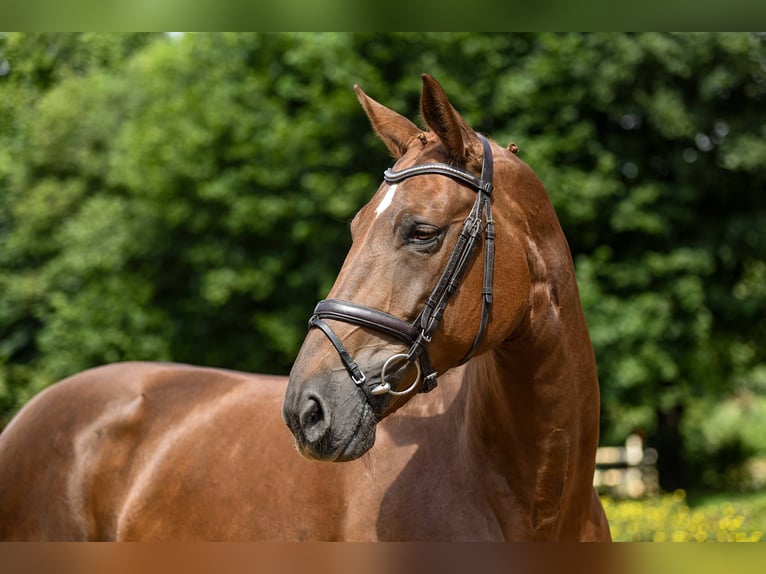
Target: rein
<point>418,334</point>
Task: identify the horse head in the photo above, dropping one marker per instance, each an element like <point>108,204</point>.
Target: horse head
<point>432,278</point>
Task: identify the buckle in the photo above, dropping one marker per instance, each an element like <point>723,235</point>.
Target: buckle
<point>359,381</point>
<point>429,383</point>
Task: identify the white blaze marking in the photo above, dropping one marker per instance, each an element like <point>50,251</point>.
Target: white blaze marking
<point>386,201</point>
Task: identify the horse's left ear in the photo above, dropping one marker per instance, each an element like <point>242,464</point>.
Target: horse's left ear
<point>444,120</point>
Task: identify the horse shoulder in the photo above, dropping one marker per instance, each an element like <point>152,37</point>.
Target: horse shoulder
<point>215,461</point>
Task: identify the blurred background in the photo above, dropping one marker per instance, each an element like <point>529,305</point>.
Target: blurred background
<point>186,197</point>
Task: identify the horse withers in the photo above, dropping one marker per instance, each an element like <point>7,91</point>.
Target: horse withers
<point>459,274</point>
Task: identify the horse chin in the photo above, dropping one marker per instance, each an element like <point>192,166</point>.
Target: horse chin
<point>362,440</point>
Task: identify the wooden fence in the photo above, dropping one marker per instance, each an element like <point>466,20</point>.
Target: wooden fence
<point>628,471</point>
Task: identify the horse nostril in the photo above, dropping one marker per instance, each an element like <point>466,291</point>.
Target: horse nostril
<point>311,413</point>
<point>313,421</point>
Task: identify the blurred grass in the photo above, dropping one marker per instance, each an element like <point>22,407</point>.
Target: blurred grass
<point>678,517</point>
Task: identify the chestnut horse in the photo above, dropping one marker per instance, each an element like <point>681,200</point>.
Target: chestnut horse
<point>503,449</point>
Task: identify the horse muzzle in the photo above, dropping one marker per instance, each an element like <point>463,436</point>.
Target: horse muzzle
<point>328,425</point>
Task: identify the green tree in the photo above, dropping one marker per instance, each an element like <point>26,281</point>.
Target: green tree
<point>648,145</point>
<point>37,196</point>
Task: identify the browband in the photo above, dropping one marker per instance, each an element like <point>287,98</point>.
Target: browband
<point>483,183</point>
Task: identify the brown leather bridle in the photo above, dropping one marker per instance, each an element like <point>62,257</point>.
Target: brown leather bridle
<point>418,334</point>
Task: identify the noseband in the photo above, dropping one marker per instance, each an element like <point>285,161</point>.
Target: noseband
<point>418,334</point>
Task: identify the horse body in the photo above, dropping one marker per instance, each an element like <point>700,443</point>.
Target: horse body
<point>161,452</point>
<point>142,451</point>
<point>503,449</point>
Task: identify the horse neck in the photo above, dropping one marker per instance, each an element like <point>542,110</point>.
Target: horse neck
<point>540,382</point>
<point>532,403</point>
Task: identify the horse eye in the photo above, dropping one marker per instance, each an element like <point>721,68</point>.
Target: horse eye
<point>423,233</point>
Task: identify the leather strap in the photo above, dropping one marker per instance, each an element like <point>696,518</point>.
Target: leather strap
<point>483,183</point>
<point>353,369</point>
<point>366,317</point>
<point>336,309</point>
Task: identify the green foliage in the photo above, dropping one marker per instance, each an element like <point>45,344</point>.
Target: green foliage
<point>189,199</point>
<point>724,433</point>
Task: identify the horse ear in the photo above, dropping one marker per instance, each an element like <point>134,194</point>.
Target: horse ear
<point>395,130</point>
<point>444,120</point>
